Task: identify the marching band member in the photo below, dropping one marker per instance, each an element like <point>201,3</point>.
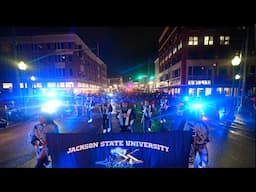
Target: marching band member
<point>126,116</point>
<point>163,110</point>
<point>106,110</point>
<point>146,116</point>
<point>88,108</point>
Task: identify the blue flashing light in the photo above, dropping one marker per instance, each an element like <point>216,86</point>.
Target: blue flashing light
<point>197,106</point>
<point>110,94</point>
<point>49,93</point>
<point>51,106</point>
<point>186,98</point>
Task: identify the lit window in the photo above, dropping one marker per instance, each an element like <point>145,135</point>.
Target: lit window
<point>193,40</point>
<point>62,84</point>
<point>51,84</point>
<point>174,50</point>
<point>208,40</point>
<point>180,45</point>
<point>224,40</point>
<point>38,85</point>
<point>7,85</point>
<point>69,84</point>
<point>170,54</point>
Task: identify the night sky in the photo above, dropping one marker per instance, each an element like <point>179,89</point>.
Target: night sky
<point>127,51</point>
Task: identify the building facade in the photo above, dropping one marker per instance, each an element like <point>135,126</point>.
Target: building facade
<point>61,61</point>
<point>197,60</point>
<point>115,84</point>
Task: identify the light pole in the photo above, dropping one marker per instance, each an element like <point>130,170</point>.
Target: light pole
<point>22,67</point>
<point>235,62</point>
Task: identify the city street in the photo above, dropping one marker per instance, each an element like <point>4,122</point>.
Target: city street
<point>230,147</point>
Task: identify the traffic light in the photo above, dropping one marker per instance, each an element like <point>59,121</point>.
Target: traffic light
<point>151,77</point>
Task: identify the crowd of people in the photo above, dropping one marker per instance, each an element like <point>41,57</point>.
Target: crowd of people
<point>127,109</point>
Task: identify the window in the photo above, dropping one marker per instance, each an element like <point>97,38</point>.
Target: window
<point>59,45</point>
<point>69,45</point>
<point>176,73</point>
<point>190,70</point>
<point>63,58</point>
<point>60,72</point>
<point>70,58</point>
<point>70,72</point>
<point>48,46</point>
<point>224,40</point>
<point>199,70</point>
<point>170,54</point>
<point>174,50</point>
<point>178,58</point>
<point>166,57</point>
<point>180,45</point>
<point>193,40</point>
<point>208,40</point>
<point>51,84</point>
<point>82,68</point>
<point>7,85</point>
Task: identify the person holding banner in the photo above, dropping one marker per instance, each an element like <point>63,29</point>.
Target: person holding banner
<point>45,125</point>
<point>126,116</point>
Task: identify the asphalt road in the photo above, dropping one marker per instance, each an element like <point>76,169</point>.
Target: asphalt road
<point>231,146</point>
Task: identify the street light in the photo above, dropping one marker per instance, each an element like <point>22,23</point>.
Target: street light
<point>32,78</point>
<point>237,76</point>
<point>22,66</point>
<point>236,60</point>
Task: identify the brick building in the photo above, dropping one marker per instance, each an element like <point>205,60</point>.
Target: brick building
<point>197,60</point>
<point>61,61</point>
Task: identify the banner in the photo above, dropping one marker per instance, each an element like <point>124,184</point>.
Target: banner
<point>121,150</point>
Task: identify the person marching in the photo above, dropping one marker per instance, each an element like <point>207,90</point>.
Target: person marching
<point>88,108</point>
<point>106,110</point>
<point>45,125</point>
<point>147,110</point>
<point>163,111</point>
<point>126,116</point>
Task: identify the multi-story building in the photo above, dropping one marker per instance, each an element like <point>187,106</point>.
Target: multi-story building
<point>61,61</point>
<point>115,84</point>
<point>197,60</point>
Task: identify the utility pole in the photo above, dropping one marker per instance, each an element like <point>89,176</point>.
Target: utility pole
<point>244,68</point>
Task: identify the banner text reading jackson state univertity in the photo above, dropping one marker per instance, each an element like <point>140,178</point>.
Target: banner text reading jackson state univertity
<point>122,150</point>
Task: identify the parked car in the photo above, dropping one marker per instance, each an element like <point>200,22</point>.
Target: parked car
<point>3,123</point>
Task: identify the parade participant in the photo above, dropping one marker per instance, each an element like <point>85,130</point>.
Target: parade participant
<point>45,125</point>
<point>106,110</point>
<point>126,116</point>
<point>147,110</point>
<point>88,108</point>
<point>163,110</point>
<point>200,140</point>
